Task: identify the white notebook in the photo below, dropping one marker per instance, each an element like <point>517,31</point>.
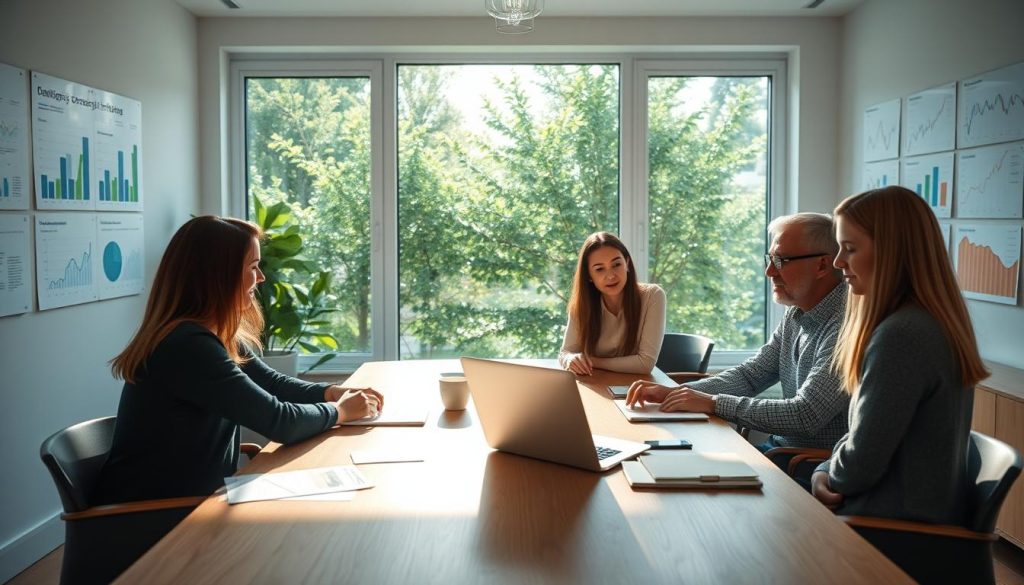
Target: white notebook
<point>392,417</point>
<point>650,413</point>
<point>638,476</point>
<point>697,467</point>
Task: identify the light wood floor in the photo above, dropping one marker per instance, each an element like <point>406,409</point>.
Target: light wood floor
<point>1009,567</point>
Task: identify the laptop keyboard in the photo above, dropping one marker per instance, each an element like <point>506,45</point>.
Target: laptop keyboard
<point>605,452</point>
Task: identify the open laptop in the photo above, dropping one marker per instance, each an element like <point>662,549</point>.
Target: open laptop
<point>538,412</point>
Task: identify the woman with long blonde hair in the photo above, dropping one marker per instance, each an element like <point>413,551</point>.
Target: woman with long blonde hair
<point>615,323</point>
<point>908,357</point>
<point>191,377</point>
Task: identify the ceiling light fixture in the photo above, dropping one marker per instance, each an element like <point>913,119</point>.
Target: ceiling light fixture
<point>513,17</point>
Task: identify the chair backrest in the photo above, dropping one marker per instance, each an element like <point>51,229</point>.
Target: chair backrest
<point>992,467</point>
<point>684,352</point>
<point>74,457</point>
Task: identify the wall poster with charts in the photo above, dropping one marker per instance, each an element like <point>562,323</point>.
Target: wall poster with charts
<point>14,154</point>
<point>987,261</point>
<point>86,147</point>
<point>119,244</point>
<point>930,121</point>
<point>931,177</point>
<point>989,181</point>
<point>992,107</point>
<point>882,131</point>
<point>65,259</point>
<point>15,264</point>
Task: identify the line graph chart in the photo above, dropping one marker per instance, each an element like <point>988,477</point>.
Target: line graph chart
<point>989,181</point>
<point>931,121</point>
<point>882,131</point>
<point>992,107</point>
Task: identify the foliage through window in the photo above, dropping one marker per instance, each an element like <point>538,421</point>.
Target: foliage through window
<point>502,171</point>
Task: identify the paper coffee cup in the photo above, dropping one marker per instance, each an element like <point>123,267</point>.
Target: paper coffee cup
<point>454,390</point>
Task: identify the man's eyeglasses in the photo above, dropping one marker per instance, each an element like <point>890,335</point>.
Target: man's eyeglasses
<point>780,261</point>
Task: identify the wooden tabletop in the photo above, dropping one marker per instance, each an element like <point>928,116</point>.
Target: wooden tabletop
<point>470,514</point>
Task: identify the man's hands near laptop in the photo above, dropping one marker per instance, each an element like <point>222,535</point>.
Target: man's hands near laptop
<point>672,398</point>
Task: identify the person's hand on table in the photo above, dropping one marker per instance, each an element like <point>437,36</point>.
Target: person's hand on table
<point>821,489</point>
<point>580,364</point>
<point>687,399</point>
<point>642,391</point>
<point>354,403</point>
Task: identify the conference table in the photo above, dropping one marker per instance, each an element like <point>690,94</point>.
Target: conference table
<point>469,514</point>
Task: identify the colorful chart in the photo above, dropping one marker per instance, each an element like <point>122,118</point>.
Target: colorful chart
<point>931,177</point>
<point>992,107</point>
<point>931,121</point>
<point>64,259</point>
<point>882,131</point>
<point>988,261</point>
<point>881,174</point>
<point>86,146</point>
<point>119,237</point>
<point>989,181</point>
<point>15,171</point>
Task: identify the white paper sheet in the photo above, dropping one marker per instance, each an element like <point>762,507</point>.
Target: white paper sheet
<point>292,484</point>
<point>386,456</point>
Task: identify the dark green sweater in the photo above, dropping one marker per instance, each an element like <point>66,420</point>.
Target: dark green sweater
<point>905,454</point>
<point>177,428</point>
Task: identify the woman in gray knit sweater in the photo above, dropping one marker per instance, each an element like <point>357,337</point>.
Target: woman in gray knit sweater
<point>908,357</point>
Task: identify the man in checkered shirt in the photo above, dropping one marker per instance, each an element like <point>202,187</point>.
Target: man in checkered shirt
<point>812,410</point>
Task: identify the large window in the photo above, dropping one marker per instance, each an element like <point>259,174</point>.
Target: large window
<point>707,149</point>
<point>450,201</point>
<point>503,170</point>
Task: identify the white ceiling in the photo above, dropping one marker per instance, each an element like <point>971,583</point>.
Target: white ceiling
<point>572,8</point>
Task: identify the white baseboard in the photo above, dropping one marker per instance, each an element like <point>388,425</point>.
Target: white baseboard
<point>22,552</point>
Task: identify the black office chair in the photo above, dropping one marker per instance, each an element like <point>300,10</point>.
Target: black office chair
<point>684,357</point>
<point>936,553</point>
<point>100,542</point>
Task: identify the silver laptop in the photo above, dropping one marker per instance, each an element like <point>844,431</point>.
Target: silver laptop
<point>538,412</point>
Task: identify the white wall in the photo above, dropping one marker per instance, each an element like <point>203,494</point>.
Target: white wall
<point>53,364</point>
<point>812,42</point>
<point>893,48</point>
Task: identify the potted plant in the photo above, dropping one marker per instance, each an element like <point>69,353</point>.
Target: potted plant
<point>295,295</point>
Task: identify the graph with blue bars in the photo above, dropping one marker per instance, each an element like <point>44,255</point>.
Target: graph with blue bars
<point>77,272</point>
<point>73,180</point>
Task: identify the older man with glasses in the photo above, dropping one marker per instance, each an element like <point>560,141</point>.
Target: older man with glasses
<point>812,410</point>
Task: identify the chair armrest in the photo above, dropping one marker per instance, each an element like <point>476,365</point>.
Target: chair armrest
<point>250,450</point>
<point>947,530</point>
<point>800,454</point>
<point>133,507</point>
<point>684,377</point>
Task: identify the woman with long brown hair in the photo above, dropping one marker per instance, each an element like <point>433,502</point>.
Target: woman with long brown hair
<point>908,357</point>
<point>191,377</point>
<point>615,322</point>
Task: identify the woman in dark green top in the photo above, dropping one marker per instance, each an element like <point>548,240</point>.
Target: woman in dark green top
<point>907,355</point>
<point>191,377</point>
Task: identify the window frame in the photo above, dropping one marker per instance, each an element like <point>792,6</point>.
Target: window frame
<point>382,69</point>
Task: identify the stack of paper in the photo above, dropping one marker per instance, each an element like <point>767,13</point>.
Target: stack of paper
<point>408,416</point>
<point>690,470</point>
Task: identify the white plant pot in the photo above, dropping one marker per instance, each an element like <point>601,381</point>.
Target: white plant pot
<point>286,362</point>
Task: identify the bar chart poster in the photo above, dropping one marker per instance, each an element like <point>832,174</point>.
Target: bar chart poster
<point>65,259</point>
<point>931,177</point>
<point>15,265</point>
<point>931,121</point>
<point>118,160</point>
<point>62,138</point>
<point>119,245</point>
<point>881,174</point>
<point>989,181</point>
<point>882,131</point>
<point>15,163</point>
<point>992,107</point>
<point>988,262</point>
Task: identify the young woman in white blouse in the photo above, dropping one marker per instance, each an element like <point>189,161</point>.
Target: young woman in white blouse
<point>615,323</point>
